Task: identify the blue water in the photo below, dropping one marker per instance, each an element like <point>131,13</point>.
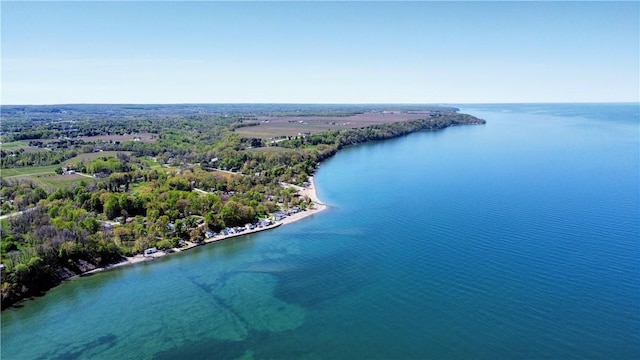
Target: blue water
<point>515,239</point>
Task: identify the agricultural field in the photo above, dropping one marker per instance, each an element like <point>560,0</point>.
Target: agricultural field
<point>33,149</point>
<point>14,145</point>
<point>28,171</point>
<point>95,155</point>
<point>46,177</point>
<point>272,126</point>
<point>50,169</point>
<point>143,137</point>
<point>21,146</point>
<point>269,149</point>
<point>51,181</point>
<point>55,181</point>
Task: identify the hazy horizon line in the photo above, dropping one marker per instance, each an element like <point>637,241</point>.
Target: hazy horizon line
<point>333,103</point>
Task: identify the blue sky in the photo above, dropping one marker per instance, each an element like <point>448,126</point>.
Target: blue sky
<point>319,52</point>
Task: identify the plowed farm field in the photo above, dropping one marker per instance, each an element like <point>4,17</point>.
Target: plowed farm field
<point>272,126</point>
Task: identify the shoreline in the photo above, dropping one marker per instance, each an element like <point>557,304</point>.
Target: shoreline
<point>292,214</point>
<point>308,191</point>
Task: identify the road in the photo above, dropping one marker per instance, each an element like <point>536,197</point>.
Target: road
<point>16,213</point>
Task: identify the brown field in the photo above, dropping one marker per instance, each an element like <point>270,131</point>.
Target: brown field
<point>270,149</point>
<point>224,174</point>
<point>293,125</point>
<point>31,149</point>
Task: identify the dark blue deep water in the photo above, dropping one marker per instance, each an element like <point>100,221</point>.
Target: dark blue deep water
<point>515,239</point>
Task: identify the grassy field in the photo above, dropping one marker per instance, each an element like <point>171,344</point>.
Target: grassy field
<point>149,162</point>
<point>46,177</point>
<point>50,169</point>
<point>144,137</point>
<point>21,145</point>
<point>62,181</point>
<point>28,171</point>
<point>52,181</point>
<point>95,155</point>
<point>14,145</point>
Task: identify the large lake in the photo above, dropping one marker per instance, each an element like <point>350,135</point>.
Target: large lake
<point>515,239</point>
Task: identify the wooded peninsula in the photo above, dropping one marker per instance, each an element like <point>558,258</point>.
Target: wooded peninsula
<point>85,186</point>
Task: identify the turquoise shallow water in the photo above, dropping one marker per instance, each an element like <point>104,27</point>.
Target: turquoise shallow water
<point>516,239</point>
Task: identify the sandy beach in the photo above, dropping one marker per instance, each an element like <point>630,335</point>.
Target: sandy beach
<point>308,191</point>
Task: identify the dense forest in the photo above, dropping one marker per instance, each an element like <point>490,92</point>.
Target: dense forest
<point>192,173</point>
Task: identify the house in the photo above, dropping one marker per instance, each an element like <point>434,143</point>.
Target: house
<point>106,226</point>
<point>150,251</point>
<point>279,216</point>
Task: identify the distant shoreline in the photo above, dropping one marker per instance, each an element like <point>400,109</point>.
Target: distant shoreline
<point>308,191</point>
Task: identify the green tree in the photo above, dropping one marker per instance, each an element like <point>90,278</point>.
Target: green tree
<point>112,207</point>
